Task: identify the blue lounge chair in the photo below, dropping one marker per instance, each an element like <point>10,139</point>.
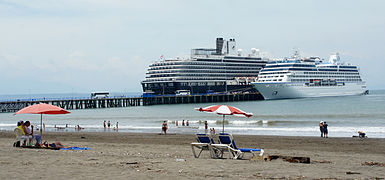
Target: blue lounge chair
<point>204,142</point>
<point>227,143</point>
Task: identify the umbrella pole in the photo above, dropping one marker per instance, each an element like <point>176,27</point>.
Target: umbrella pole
<point>41,124</point>
<point>223,124</point>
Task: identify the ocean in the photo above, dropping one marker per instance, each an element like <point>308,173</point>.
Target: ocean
<point>289,117</point>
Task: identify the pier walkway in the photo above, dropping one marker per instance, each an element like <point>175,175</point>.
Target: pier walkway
<point>70,104</point>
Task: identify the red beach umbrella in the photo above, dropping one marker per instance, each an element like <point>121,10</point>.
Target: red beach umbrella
<point>41,109</point>
<point>224,110</point>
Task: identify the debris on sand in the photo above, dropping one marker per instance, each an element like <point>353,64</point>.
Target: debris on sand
<point>371,163</point>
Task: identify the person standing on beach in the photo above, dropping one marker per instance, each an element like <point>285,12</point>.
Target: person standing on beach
<point>164,127</point>
<point>109,124</point>
<point>183,122</point>
<point>117,126</point>
<point>206,127</point>
<point>325,126</point>
<point>104,124</point>
<point>321,128</point>
<point>187,123</point>
<point>176,123</point>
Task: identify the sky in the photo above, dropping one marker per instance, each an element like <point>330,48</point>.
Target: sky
<point>80,46</point>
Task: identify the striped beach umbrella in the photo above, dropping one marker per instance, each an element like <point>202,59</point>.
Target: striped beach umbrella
<point>224,110</point>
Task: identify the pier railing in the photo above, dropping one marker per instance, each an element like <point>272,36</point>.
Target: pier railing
<point>114,102</point>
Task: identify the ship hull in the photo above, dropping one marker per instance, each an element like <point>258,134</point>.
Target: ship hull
<point>296,90</point>
<point>171,88</point>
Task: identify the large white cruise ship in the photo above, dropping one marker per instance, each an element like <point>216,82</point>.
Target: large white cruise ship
<point>297,77</point>
<point>220,70</point>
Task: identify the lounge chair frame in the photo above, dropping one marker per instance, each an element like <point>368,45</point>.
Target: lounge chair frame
<point>227,144</point>
<point>204,142</point>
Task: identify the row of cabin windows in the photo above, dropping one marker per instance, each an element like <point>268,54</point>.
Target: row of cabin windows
<point>290,65</point>
<point>339,80</point>
<point>307,70</point>
<point>271,76</point>
<point>203,71</point>
<point>324,76</point>
<point>269,80</point>
<point>210,74</point>
<point>202,83</point>
<point>180,79</point>
<point>336,73</point>
<point>208,67</point>
<point>306,80</point>
<point>207,63</point>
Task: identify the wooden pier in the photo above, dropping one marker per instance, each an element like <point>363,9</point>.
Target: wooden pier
<point>70,104</point>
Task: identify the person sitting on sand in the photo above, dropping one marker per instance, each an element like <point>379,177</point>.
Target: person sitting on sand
<point>164,127</point>
<point>20,125</point>
<point>361,134</point>
<point>321,128</point>
<point>28,131</point>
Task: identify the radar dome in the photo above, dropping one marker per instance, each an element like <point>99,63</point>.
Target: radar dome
<point>255,51</point>
<point>239,52</point>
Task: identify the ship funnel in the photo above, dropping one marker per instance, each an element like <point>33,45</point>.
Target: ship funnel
<point>219,45</point>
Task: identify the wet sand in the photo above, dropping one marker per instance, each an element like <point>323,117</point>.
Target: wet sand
<point>151,156</point>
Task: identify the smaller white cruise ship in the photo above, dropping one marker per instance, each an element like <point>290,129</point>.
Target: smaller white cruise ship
<point>297,77</point>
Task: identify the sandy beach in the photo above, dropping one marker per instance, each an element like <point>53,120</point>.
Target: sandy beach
<point>152,156</point>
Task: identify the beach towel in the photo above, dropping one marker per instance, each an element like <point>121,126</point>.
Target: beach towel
<point>76,148</point>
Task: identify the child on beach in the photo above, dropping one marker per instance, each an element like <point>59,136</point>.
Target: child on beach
<point>164,127</point>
